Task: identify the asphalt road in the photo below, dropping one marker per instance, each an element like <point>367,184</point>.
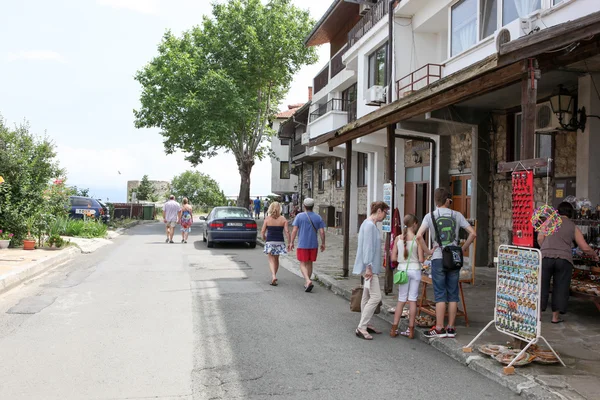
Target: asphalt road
<point>141,319</point>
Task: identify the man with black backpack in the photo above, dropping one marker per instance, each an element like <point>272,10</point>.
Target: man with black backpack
<point>447,257</point>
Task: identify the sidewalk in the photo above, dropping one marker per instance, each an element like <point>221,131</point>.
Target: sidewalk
<point>18,265</point>
<point>577,340</point>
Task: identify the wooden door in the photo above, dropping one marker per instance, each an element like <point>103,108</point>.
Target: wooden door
<point>410,197</point>
<point>461,194</point>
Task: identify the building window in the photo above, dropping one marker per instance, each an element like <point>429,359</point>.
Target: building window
<point>284,170</point>
<point>543,149</point>
<point>513,9</point>
<point>378,67</point>
<point>362,173</point>
<point>285,142</point>
<point>320,177</point>
<point>488,24</point>
<point>464,26</point>
<point>556,2</point>
<point>348,96</point>
<point>339,173</point>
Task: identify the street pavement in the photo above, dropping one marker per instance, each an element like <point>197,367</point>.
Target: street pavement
<point>142,319</point>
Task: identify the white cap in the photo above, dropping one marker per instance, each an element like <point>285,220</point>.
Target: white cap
<point>308,202</point>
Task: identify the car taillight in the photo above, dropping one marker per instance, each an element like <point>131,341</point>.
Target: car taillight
<point>101,211</point>
<point>251,225</point>
<point>216,225</point>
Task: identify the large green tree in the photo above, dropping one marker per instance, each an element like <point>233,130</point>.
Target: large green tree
<point>145,191</point>
<point>200,189</point>
<point>27,163</point>
<point>216,86</point>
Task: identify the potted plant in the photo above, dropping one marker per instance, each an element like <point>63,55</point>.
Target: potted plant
<point>55,242</point>
<point>29,241</point>
<point>5,239</point>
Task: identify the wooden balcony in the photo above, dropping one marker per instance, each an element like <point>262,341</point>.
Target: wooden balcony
<point>321,80</point>
<point>351,108</point>
<point>336,63</point>
<point>418,79</point>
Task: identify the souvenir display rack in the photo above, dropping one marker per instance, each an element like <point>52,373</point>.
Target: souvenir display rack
<point>517,308</point>
<point>522,208</point>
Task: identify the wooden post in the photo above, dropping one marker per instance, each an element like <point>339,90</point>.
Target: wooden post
<point>391,166</point>
<point>347,183</point>
<point>531,74</point>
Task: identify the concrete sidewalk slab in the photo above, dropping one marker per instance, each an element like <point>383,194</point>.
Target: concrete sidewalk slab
<point>577,341</point>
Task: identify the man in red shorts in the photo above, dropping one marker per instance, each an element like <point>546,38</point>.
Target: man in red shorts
<point>306,225</point>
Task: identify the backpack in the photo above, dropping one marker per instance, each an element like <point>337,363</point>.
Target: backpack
<point>445,235</point>
<point>446,228</point>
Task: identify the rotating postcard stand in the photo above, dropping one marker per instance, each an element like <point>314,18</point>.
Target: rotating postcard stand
<point>517,310</point>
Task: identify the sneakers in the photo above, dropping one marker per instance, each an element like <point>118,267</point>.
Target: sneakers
<point>434,333</point>
<point>450,332</point>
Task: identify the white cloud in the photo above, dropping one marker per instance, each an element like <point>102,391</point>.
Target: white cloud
<point>35,55</point>
<point>141,6</point>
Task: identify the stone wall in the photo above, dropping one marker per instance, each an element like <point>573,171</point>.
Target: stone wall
<point>461,150</point>
<point>362,201</point>
<point>421,148</point>
<point>501,216</point>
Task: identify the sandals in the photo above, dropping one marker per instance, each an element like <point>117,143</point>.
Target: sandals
<point>409,333</point>
<point>560,321</point>
<point>273,282</point>
<point>394,331</point>
<point>364,336</point>
<point>308,288</point>
<point>371,329</point>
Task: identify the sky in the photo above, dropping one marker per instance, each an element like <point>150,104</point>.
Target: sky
<point>67,67</point>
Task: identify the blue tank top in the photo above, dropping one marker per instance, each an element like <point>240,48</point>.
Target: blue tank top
<point>275,234</point>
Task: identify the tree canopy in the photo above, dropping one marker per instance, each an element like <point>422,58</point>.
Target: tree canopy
<point>216,86</point>
<point>28,164</point>
<point>200,189</point>
<point>145,191</point>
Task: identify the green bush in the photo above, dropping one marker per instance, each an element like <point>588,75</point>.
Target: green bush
<point>86,228</point>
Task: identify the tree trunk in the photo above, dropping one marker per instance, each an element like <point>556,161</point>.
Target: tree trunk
<point>245,168</point>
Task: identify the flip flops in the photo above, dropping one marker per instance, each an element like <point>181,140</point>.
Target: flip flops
<point>560,321</point>
<point>308,288</point>
<point>273,282</point>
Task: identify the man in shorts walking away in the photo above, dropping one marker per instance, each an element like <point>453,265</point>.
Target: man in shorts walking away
<point>306,225</point>
<point>445,283</point>
<point>171,217</point>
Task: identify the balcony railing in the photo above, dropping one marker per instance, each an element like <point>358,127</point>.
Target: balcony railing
<point>351,107</point>
<point>297,148</point>
<point>331,105</point>
<point>321,80</point>
<point>337,65</point>
<point>368,21</point>
<point>419,79</point>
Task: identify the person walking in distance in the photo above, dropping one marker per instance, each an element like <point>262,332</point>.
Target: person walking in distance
<point>171,211</point>
<point>273,231</point>
<point>445,283</point>
<point>186,219</point>
<point>410,258</point>
<point>368,263</point>
<point>257,208</point>
<point>266,208</point>
<point>306,226</point>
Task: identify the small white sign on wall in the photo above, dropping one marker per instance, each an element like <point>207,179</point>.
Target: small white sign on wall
<point>305,138</point>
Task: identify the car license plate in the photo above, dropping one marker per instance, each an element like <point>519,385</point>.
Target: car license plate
<point>235,224</point>
<point>84,211</point>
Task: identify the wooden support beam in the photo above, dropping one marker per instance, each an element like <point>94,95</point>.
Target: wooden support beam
<point>347,186</point>
<point>519,165</point>
<point>457,92</point>
<point>391,170</point>
<point>528,106</point>
<point>552,38</point>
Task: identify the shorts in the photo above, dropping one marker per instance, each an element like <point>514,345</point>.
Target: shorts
<point>445,284</point>
<point>171,224</point>
<point>410,290</point>
<point>305,255</point>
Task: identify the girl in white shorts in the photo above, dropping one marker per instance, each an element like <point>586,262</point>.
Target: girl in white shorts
<point>409,255</point>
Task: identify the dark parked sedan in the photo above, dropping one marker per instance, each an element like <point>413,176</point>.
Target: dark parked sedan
<point>229,224</point>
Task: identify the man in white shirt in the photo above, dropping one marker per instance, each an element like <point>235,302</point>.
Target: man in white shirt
<point>171,211</point>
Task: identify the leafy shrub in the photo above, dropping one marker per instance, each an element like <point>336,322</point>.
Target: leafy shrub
<point>86,228</point>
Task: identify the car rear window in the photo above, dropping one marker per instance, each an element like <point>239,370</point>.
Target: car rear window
<point>83,202</point>
<point>232,213</point>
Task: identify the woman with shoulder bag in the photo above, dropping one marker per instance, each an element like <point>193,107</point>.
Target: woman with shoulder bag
<point>410,261</point>
<point>368,263</point>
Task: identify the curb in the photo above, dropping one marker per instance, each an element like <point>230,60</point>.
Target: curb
<point>524,386</point>
<point>9,281</point>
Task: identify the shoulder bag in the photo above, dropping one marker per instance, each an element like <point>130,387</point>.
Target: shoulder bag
<point>401,277</point>
<point>313,225</point>
<point>452,256</point>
